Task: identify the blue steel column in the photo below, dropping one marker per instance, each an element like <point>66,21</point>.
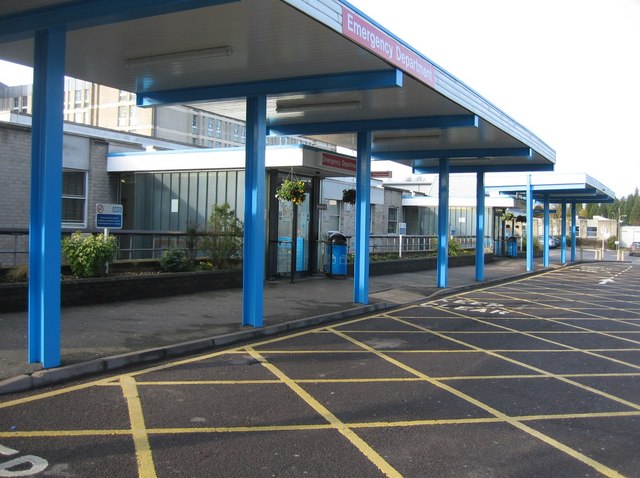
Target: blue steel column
<point>480,227</point>
<point>574,227</point>
<point>563,234</point>
<point>46,198</point>
<point>363,194</point>
<point>545,233</point>
<point>443,223</point>
<point>529,224</point>
<point>254,213</point>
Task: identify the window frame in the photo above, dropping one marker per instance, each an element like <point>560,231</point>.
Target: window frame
<point>84,198</point>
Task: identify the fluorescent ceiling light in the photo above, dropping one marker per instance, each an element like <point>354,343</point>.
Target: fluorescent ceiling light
<point>406,139</point>
<point>301,107</point>
<point>190,55</point>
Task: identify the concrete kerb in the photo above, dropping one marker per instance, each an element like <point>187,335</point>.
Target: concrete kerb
<point>53,376</point>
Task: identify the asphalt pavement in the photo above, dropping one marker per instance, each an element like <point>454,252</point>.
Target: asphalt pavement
<point>103,337</point>
<point>533,377</point>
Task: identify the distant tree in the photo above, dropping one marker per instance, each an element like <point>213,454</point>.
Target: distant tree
<point>583,213</point>
<point>603,210</point>
<point>634,216</point>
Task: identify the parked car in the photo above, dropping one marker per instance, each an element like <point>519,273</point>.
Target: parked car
<point>553,241</point>
<point>634,248</point>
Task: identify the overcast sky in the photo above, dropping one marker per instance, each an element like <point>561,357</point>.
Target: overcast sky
<point>568,70</point>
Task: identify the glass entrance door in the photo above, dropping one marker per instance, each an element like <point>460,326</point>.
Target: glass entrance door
<point>286,236</point>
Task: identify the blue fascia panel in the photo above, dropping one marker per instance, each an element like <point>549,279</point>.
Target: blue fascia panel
<point>91,13</point>
<point>366,80</point>
<point>455,153</point>
<point>389,124</point>
<point>488,168</point>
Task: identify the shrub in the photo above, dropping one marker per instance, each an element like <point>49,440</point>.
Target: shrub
<point>611,243</point>
<point>537,245</point>
<point>175,260</point>
<point>223,241</point>
<point>454,248</point>
<point>205,266</point>
<point>17,274</point>
<point>89,254</point>
<point>193,240</point>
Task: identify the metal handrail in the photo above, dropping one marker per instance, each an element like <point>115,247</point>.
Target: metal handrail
<point>160,241</point>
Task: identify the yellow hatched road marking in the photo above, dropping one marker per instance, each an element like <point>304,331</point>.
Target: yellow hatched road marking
<point>535,369</point>
<point>568,348</point>
<point>146,467</point>
<point>54,393</point>
<point>601,468</point>
<point>343,429</point>
<point>327,426</point>
<point>559,320</point>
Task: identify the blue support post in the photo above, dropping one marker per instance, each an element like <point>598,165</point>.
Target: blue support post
<point>480,227</point>
<point>529,224</point>
<point>443,223</point>
<point>574,227</point>
<point>563,234</point>
<point>363,194</point>
<point>46,198</point>
<point>254,213</point>
<point>545,233</point>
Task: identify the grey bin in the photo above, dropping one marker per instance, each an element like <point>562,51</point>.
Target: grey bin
<point>337,255</point>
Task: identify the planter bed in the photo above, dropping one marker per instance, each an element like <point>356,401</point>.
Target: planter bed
<point>13,296</point>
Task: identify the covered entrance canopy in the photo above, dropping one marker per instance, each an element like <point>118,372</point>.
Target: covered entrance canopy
<point>552,188</point>
<point>309,67</point>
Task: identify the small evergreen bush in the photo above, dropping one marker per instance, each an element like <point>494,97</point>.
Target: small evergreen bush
<point>223,241</point>
<point>88,255</point>
<point>175,260</point>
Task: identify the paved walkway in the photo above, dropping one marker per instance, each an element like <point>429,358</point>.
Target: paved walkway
<point>152,329</point>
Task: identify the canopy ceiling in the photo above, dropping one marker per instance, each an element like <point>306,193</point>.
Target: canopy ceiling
<point>259,46</point>
<point>555,187</point>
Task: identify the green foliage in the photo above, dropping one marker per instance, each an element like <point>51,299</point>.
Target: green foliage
<point>88,254</point>
<point>349,196</point>
<point>291,190</point>
<point>537,245</point>
<point>507,216</point>
<point>175,260</point>
<point>454,247</point>
<point>611,243</point>
<point>193,240</point>
<point>17,274</point>
<point>205,266</point>
<point>223,241</point>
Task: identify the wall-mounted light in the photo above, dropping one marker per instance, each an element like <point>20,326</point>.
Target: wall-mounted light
<point>302,107</point>
<point>179,56</point>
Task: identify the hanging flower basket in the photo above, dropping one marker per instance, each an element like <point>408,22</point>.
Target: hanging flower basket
<point>349,196</point>
<point>291,190</point>
<point>507,216</point>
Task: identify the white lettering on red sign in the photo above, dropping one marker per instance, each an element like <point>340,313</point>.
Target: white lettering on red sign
<point>372,38</point>
<point>339,162</point>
